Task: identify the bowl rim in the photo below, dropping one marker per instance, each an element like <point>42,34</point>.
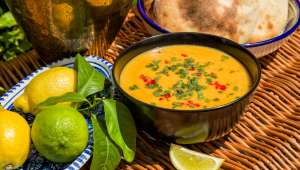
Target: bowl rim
<point>156,26</point>
<point>155,38</point>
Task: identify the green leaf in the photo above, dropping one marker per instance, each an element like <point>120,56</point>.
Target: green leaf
<point>106,155</point>
<point>68,97</point>
<point>134,2</point>
<point>2,90</point>
<point>90,81</point>
<point>7,20</point>
<point>121,127</point>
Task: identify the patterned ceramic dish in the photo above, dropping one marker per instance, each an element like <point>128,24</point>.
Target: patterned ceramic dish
<point>35,161</point>
<point>259,49</point>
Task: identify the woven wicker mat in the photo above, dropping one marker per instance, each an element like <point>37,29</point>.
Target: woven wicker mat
<point>267,137</point>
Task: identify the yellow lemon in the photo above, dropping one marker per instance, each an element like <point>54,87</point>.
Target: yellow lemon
<point>63,15</point>
<point>98,3</point>
<point>14,139</point>
<point>53,82</point>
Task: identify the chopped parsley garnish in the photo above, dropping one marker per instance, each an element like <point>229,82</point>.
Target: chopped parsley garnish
<point>164,71</point>
<point>209,80</point>
<point>224,57</point>
<point>173,59</point>
<point>154,65</point>
<point>134,87</point>
<point>151,86</point>
<point>153,103</point>
<point>216,99</point>
<point>182,73</point>
<point>176,105</point>
<point>236,88</point>
<point>193,77</point>
<point>189,63</point>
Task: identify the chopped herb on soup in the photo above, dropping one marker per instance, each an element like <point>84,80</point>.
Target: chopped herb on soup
<point>185,77</point>
<point>133,87</point>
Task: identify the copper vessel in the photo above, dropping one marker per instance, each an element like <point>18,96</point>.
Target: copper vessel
<point>60,28</point>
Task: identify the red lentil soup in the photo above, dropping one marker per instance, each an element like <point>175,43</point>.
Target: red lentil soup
<point>185,77</point>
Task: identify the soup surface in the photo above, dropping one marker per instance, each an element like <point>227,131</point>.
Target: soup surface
<point>185,77</point>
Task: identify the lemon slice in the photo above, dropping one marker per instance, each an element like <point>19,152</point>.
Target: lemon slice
<point>186,159</point>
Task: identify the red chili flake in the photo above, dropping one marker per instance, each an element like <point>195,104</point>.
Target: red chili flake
<point>168,95</point>
<point>151,82</point>
<point>197,105</point>
<point>167,62</point>
<point>184,55</point>
<point>182,103</point>
<point>199,74</point>
<point>222,87</point>
<point>143,77</point>
<point>192,69</point>
<point>190,102</point>
<point>161,99</point>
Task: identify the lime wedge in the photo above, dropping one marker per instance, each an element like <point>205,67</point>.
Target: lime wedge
<point>186,159</point>
<point>194,134</point>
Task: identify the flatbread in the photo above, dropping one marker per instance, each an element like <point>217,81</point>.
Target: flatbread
<point>273,20</point>
<point>237,20</point>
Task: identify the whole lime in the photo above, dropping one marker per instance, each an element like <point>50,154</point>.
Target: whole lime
<point>59,133</point>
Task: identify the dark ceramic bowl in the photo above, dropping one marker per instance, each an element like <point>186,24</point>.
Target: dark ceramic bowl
<point>189,126</point>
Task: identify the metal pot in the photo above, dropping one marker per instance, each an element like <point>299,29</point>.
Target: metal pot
<point>58,28</point>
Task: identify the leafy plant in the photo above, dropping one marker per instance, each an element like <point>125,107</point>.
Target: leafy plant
<point>12,38</point>
<point>112,136</point>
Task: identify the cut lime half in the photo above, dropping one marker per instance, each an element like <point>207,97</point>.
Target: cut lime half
<point>186,159</point>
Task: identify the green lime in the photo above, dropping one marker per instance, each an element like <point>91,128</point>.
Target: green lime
<point>185,159</point>
<point>59,133</point>
<point>193,134</point>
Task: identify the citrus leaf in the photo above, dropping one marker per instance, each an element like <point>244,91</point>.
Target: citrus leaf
<point>89,81</point>
<point>106,154</point>
<point>68,97</point>
<point>121,127</point>
<point>7,20</point>
<point>2,90</point>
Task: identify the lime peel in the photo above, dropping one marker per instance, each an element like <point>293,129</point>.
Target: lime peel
<point>186,159</point>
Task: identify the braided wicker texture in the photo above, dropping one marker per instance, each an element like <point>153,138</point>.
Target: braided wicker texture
<point>267,137</point>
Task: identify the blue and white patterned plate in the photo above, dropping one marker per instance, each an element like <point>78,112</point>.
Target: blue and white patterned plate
<point>35,161</point>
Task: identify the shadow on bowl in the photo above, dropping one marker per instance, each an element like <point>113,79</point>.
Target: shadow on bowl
<point>259,49</point>
<point>189,126</point>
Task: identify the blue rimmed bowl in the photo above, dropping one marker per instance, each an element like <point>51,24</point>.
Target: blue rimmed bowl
<point>259,49</point>
<point>36,161</point>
